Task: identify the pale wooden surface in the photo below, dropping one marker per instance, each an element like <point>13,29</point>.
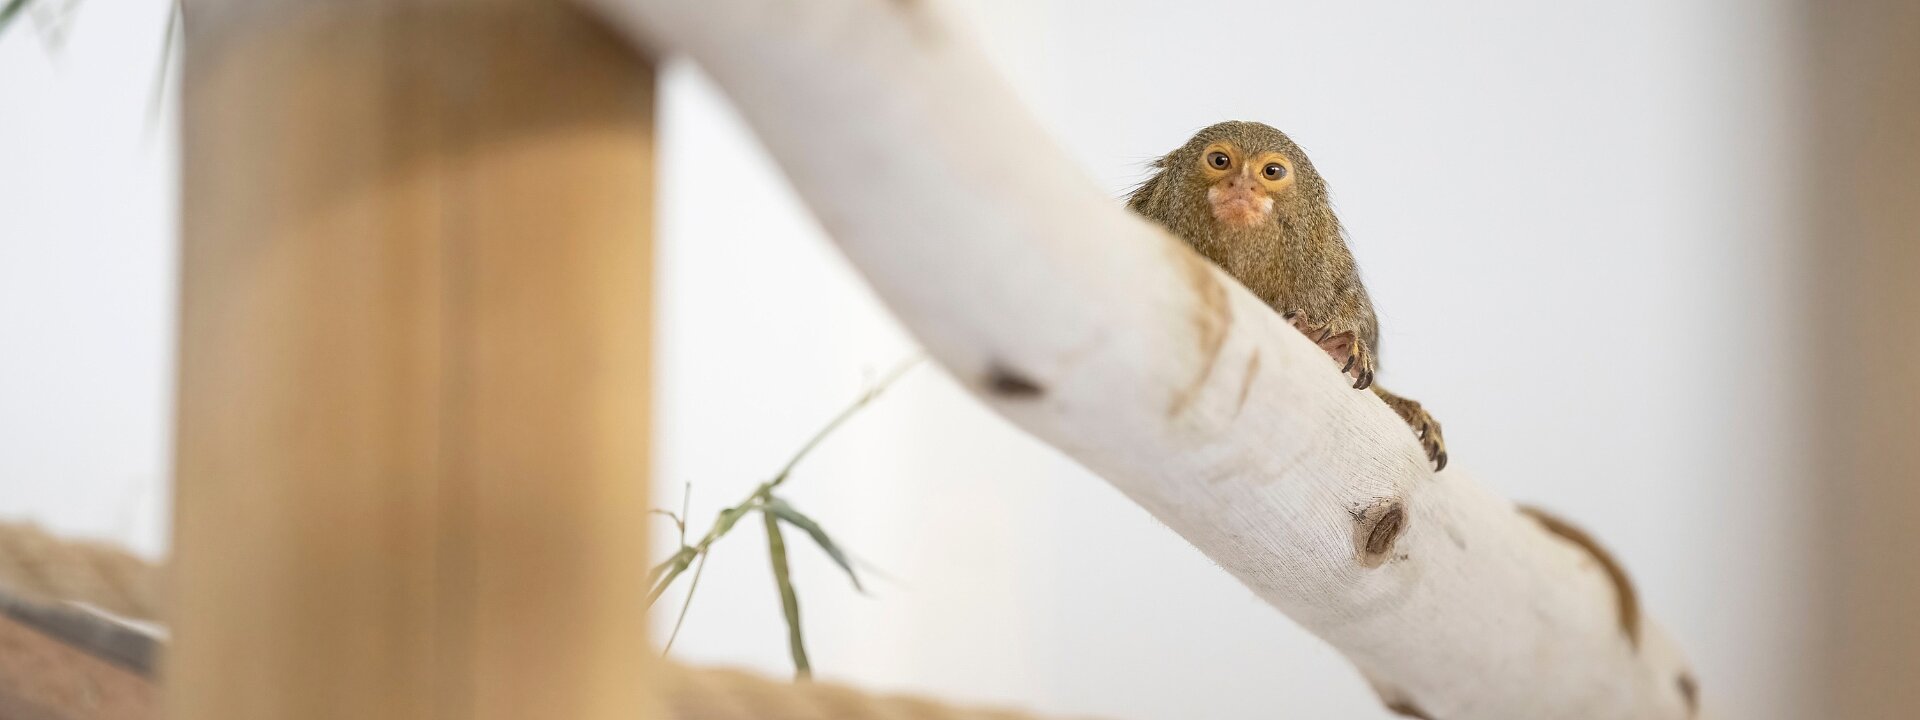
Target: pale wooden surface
<point>1111,341</point>
<point>413,407</point>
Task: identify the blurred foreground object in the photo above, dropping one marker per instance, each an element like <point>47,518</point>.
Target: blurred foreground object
<point>60,662</point>
<point>1863,246</point>
<point>35,565</point>
<point>411,456</point>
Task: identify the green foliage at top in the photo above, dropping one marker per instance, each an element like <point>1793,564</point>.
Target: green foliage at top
<point>9,12</point>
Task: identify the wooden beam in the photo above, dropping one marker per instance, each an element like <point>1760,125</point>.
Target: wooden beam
<point>413,402</point>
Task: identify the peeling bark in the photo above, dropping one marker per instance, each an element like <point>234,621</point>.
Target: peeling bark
<point>1629,600</point>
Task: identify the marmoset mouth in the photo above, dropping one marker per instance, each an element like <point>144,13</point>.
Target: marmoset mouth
<point>1238,208</point>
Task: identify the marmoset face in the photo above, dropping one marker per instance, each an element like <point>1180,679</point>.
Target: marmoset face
<point>1243,183</point>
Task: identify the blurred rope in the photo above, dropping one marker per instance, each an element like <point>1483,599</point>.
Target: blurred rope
<point>38,566</point>
<point>703,694</point>
<point>35,565</point>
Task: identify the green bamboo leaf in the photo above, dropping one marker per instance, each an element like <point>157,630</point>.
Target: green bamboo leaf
<point>793,517</point>
<point>728,517</point>
<point>673,567</point>
<point>9,12</point>
<point>789,600</point>
<point>679,559</point>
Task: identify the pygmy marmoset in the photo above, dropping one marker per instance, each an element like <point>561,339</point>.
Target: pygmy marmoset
<point>1245,196</point>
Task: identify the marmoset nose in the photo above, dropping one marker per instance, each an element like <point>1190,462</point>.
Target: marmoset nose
<point>1240,183</point>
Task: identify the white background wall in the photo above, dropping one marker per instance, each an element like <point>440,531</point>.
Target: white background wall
<point>1575,220</point>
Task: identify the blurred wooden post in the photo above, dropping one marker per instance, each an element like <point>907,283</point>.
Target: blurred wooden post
<point>413,410</point>
<point>1864,248</point>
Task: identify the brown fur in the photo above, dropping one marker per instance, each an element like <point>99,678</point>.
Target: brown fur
<point>1296,260</point>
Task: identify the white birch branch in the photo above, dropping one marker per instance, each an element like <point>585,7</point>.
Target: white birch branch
<point>1107,338</point>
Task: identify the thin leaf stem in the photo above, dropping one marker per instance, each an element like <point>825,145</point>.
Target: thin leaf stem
<point>175,15</point>
<point>686,604</point>
<point>838,420</point>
